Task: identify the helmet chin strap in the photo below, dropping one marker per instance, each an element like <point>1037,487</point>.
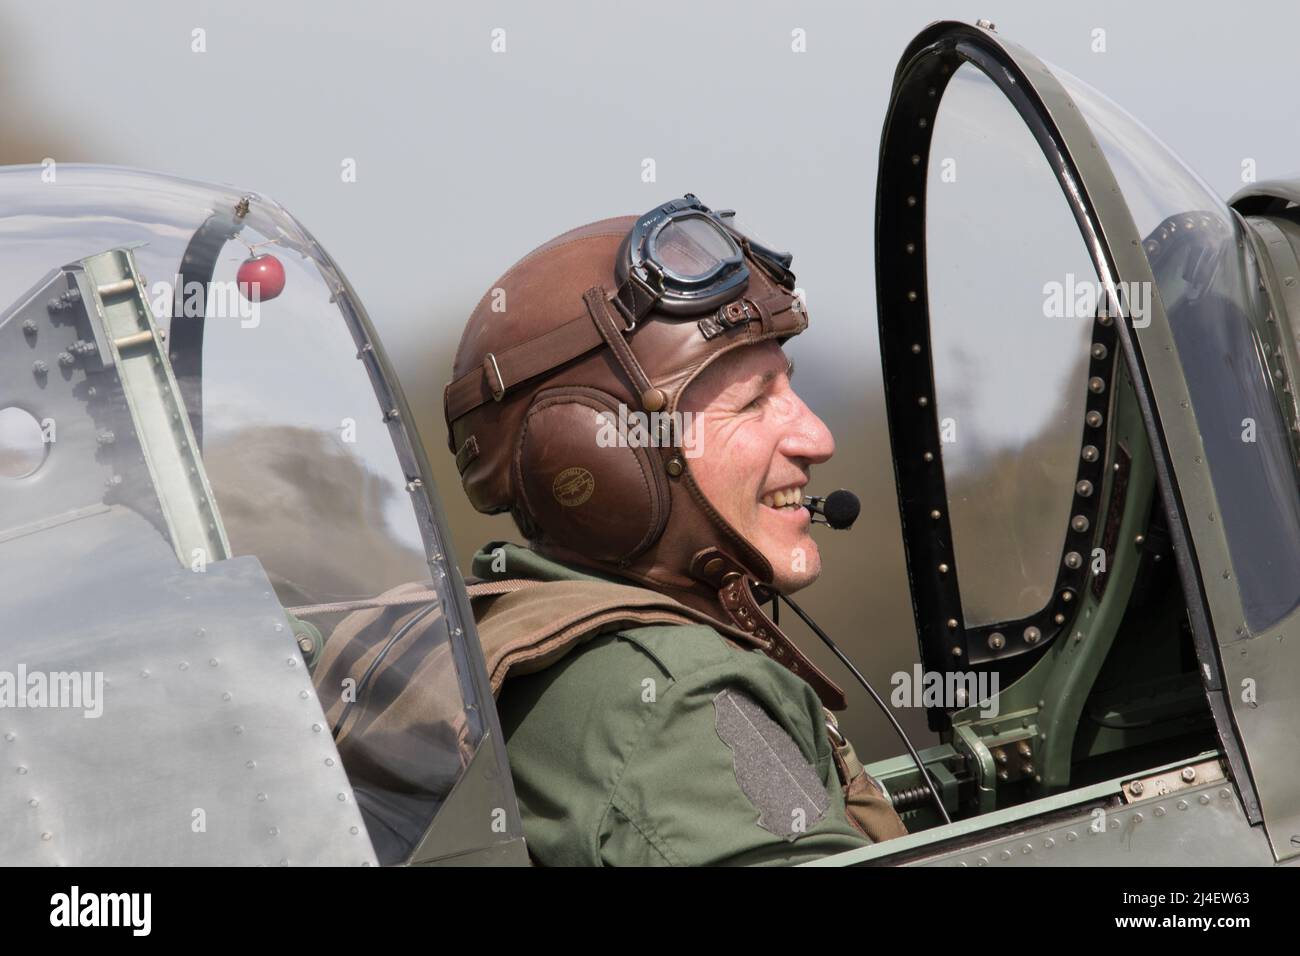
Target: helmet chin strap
<point>735,589</point>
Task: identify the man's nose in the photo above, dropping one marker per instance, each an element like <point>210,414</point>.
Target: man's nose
<point>808,437</point>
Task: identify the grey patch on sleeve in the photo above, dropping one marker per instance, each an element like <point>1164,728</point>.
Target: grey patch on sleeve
<point>770,769</point>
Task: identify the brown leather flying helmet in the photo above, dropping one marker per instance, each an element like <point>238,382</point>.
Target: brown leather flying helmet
<point>621,312</point>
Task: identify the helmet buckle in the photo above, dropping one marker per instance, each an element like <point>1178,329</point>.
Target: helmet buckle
<point>726,318</point>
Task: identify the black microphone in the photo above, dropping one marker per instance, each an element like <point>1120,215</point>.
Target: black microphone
<point>839,509</point>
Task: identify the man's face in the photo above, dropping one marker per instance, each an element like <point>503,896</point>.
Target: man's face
<point>759,444</point>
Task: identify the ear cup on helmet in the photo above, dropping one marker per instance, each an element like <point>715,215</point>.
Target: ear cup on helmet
<point>584,484</point>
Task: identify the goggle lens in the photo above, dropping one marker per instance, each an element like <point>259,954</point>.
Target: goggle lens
<point>692,248</point>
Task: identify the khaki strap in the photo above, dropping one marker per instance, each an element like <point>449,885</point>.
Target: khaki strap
<point>526,632</point>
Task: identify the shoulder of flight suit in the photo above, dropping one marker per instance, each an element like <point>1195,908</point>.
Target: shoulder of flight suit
<point>619,757</point>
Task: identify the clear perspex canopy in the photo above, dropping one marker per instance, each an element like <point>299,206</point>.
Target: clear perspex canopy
<point>206,486</point>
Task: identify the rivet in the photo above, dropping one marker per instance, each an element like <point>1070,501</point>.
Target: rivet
<point>916,348</point>
<point>1073,560</point>
<point>935,514</point>
<point>1059,618</point>
<point>1079,523</point>
<point>1083,489</point>
<point>943,569</point>
<point>1032,635</point>
<point>1089,453</point>
<point>928,457</point>
<point>997,641</point>
<point>1099,351</point>
<point>1094,419</point>
<point>952,624</point>
<point>956,652</point>
<point>674,466</point>
<point>911,295</point>
<point>923,401</point>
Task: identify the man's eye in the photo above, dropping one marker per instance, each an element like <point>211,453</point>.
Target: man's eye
<point>754,404</point>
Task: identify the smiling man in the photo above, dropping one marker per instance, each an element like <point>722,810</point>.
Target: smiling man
<point>653,713</point>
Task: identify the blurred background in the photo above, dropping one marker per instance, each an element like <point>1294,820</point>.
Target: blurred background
<point>466,158</point>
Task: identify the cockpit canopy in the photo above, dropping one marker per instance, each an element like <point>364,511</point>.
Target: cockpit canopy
<point>205,471</point>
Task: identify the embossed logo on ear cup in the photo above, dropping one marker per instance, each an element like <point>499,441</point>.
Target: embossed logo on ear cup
<point>609,502</point>
<point>573,486</point>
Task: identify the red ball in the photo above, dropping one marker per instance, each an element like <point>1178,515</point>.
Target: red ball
<point>260,278</point>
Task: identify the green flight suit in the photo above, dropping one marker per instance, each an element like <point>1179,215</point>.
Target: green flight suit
<point>619,758</point>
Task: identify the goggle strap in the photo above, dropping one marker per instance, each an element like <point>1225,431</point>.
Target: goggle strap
<point>537,356</point>
<point>561,345</point>
<point>652,399</point>
<point>635,298</point>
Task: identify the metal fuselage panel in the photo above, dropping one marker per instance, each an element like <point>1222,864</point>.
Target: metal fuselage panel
<point>209,746</point>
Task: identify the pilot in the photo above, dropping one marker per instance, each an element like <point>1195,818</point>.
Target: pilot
<point>623,393</point>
